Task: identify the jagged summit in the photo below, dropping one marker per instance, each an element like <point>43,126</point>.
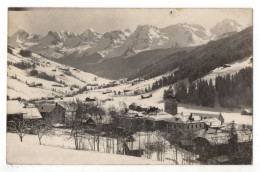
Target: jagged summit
<point>117,42</point>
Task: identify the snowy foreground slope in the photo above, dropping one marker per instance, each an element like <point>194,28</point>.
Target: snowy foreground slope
<point>30,152</point>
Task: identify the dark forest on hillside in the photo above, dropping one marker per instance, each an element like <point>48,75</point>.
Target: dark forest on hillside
<point>234,91</point>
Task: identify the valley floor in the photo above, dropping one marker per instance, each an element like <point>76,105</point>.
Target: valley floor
<point>157,101</point>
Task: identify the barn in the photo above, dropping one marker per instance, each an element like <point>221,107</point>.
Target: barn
<point>55,112</point>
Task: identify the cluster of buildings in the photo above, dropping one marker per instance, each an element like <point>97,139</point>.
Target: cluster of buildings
<point>17,110</point>
<point>170,120</point>
<point>203,133</point>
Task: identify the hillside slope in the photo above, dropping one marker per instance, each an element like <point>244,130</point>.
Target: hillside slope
<point>118,67</point>
<point>58,81</point>
<point>201,60</point>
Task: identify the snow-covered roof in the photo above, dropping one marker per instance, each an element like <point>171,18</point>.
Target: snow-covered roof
<point>15,107</point>
<point>223,137</point>
<point>214,122</point>
<point>160,116</point>
<point>142,139</point>
<point>208,115</point>
<point>32,113</point>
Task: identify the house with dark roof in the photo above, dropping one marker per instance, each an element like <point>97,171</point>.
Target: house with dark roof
<point>214,147</point>
<point>55,112</point>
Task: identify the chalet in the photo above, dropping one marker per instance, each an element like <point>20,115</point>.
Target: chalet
<point>38,84</point>
<point>55,112</point>
<point>153,110</point>
<point>127,90</point>
<point>88,99</point>
<point>141,109</point>
<point>107,91</point>
<point>226,65</point>
<point>50,98</point>
<point>15,110</point>
<point>31,85</point>
<point>56,85</point>
<point>134,147</point>
<point>146,96</point>
<point>88,121</point>
<point>247,112</point>
<point>213,147</point>
<point>141,79</point>
<point>64,68</point>
<point>140,142</point>
<point>132,106</point>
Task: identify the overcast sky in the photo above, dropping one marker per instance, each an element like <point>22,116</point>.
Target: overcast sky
<point>40,21</point>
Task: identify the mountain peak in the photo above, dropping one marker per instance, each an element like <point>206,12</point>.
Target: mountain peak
<point>90,35</point>
<point>226,26</point>
<point>146,27</point>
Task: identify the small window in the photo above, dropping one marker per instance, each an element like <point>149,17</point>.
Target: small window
<point>196,125</point>
<point>200,125</point>
<point>191,126</point>
<point>188,127</point>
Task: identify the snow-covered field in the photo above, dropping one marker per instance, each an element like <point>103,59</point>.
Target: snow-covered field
<point>18,87</point>
<point>157,101</point>
<point>30,152</point>
<point>234,68</point>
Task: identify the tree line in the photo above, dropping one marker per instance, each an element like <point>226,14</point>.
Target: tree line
<point>233,91</point>
<point>236,90</point>
<point>201,93</point>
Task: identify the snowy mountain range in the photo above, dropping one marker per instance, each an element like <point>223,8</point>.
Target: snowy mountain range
<point>64,44</point>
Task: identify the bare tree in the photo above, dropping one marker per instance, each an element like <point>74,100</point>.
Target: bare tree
<point>115,122</point>
<point>98,114</point>
<point>76,121</point>
<point>20,127</point>
<point>175,138</point>
<point>158,145</point>
<point>42,127</point>
<point>245,148</point>
<point>113,125</point>
<point>190,137</point>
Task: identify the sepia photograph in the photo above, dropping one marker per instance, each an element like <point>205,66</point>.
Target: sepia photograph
<point>129,86</point>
